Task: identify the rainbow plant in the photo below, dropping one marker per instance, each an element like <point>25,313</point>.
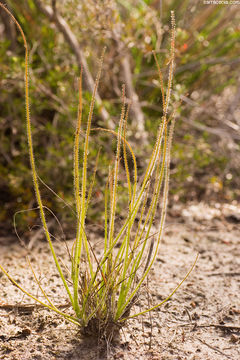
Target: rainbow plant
<point>102,290</point>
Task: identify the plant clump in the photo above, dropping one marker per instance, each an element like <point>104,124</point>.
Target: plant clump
<point>103,289</point>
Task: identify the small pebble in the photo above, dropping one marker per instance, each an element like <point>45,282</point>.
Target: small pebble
<point>234,338</point>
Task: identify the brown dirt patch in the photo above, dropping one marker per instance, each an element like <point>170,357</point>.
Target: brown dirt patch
<point>201,321</point>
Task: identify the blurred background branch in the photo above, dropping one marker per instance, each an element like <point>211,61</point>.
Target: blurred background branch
<point>63,27</point>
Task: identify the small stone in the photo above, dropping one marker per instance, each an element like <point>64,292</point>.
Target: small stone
<point>234,338</point>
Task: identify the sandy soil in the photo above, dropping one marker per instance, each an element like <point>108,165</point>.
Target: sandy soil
<point>201,321</point>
